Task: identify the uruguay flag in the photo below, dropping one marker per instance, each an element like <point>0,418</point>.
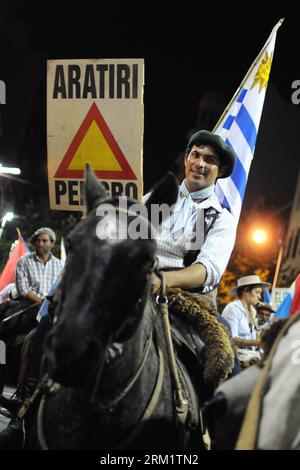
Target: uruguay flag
<point>239,124</point>
<point>291,303</point>
<point>267,297</point>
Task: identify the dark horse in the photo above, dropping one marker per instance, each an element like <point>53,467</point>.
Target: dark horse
<point>107,350</point>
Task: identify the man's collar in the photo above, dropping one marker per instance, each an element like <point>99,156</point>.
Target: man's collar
<point>40,259</point>
<point>211,201</point>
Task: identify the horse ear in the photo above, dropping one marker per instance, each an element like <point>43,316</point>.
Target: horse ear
<point>164,192</point>
<point>94,191</point>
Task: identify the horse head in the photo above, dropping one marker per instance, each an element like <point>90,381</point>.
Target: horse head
<point>106,281</point>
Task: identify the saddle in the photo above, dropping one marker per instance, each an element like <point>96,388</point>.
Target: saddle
<point>186,340</point>
<point>202,336</point>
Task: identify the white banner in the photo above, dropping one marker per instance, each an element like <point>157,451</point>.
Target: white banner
<point>95,114</point>
<point>277,296</point>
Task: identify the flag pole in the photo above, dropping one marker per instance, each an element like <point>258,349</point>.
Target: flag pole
<point>274,30</point>
<point>279,258</point>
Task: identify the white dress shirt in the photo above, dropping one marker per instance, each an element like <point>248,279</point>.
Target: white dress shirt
<point>238,319</point>
<point>174,237</point>
<point>32,274</point>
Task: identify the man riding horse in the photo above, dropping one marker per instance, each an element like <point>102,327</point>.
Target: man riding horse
<point>102,341</point>
<point>194,246</point>
<point>207,158</point>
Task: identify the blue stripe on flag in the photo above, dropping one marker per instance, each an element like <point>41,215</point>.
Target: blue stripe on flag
<point>247,126</point>
<point>228,123</point>
<point>241,95</point>
<point>283,310</point>
<point>25,244</point>
<point>239,176</point>
<point>267,297</point>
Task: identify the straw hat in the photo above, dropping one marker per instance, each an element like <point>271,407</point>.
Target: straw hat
<point>250,281</point>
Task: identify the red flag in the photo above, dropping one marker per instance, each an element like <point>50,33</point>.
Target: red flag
<point>8,273</point>
<point>295,307</point>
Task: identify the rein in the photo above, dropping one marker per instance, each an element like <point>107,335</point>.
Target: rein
<point>181,404</point>
<point>18,313</point>
<point>150,407</point>
<point>115,401</point>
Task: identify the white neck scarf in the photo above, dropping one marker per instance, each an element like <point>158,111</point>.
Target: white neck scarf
<point>197,195</point>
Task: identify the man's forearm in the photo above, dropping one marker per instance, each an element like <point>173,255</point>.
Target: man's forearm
<point>187,278</point>
<point>33,297</point>
<point>244,343</point>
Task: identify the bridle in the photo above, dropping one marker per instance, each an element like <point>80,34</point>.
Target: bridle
<point>180,402</point>
<point>53,387</point>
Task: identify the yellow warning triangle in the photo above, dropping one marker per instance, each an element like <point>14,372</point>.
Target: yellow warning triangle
<point>95,143</point>
<point>95,150</point>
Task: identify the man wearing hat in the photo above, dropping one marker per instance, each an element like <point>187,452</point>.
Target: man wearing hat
<point>198,215</point>
<point>264,311</point>
<point>35,274</point>
<point>37,271</point>
<point>241,314</point>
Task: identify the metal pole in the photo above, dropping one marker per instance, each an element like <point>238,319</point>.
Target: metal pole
<point>279,258</point>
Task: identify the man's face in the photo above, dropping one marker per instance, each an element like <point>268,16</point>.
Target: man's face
<point>43,244</point>
<point>202,167</point>
<point>262,316</point>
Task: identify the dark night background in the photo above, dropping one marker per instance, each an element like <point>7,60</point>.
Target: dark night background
<point>195,58</point>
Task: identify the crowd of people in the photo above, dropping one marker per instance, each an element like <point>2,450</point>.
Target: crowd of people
<point>247,319</point>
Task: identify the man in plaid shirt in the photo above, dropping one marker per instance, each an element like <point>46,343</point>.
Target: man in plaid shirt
<point>37,271</point>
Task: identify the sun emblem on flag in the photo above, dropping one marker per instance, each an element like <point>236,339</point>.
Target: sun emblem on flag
<point>262,75</point>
